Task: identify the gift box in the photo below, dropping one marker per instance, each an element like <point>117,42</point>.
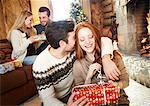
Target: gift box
<point>5,67</point>
<point>17,63</point>
<point>9,66</point>
<point>104,94</point>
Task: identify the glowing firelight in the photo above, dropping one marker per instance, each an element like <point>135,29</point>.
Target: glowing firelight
<point>148,20</point>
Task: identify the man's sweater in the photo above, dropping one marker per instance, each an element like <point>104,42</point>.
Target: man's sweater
<point>53,77</point>
<point>41,45</point>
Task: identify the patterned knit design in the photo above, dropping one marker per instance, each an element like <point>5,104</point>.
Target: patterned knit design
<point>54,74</point>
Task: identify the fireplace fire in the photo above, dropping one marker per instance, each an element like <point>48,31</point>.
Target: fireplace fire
<point>145,51</point>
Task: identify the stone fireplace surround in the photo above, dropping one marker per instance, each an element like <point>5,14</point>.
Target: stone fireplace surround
<point>132,21</point>
<point>132,25</point>
<point>137,13</point>
<point>138,68</point>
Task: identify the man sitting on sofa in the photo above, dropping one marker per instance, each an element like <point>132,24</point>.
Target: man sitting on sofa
<point>44,17</point>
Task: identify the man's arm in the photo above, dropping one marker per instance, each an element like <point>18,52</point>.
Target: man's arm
<point>110,69</point>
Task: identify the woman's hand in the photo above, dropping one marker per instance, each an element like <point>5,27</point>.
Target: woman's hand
<point>83,101</point>
<point>32,39</point>
<point>92,70</point>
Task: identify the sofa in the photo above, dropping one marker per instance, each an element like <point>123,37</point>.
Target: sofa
<point>16,85</point>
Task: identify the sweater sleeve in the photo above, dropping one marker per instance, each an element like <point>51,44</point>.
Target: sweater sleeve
<point>77,73</point>
<point>45,86</point>
<point>48,97</point>
<point>124,77</point>
<point>106,46</point>
<point>19,42</point>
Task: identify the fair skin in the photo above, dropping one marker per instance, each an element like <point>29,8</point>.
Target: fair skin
<point>28,24</point>
<point>64,47</point>
<point>87,43</point>
<point>43,18</point>
<point>28,21</point>
<point>68,47</point>
<point>112,73</point>
<point>71,41</point>
<point>86,40</point>
<point>60,53</point>
<point>89,47</point>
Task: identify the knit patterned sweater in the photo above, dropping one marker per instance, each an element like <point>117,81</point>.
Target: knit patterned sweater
<point>53,77</point>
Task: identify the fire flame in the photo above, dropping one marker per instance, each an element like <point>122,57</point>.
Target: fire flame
<point>148,20</point>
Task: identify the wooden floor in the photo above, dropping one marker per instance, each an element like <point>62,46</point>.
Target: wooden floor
<point>139,95</point>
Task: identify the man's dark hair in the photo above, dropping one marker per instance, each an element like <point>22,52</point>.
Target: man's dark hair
<point>57,31</point>
<point>43,9</point>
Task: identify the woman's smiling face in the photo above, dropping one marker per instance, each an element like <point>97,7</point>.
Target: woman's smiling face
<point>86,40</point>
<point>28,21</point>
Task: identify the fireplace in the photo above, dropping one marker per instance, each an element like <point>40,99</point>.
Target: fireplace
<point>137,11</point>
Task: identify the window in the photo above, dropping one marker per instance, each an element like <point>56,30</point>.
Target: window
<point>61,9</point>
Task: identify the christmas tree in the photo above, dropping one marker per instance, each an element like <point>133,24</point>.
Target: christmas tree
<point>77,12</point>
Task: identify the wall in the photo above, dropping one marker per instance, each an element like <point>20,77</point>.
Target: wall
<point>2,24</point>
<point>9,10</point>
<point>123,36</point>
<point>96,13</point>
<point>36,4</point>
<point>101,12</point>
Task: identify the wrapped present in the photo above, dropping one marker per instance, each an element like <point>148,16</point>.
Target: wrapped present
<point>5,67</point>
<point>17,63</point>
<point>98,94</point>
<point>9,66</point>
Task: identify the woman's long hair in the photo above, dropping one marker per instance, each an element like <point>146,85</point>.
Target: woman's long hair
<point>20,24</point>
<point>79,52</point>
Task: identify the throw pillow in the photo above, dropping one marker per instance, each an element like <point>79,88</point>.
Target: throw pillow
<point>2,55</point>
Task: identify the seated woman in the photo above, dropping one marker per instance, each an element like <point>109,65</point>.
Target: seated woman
<point>88,48</point>
<point>21,37</point>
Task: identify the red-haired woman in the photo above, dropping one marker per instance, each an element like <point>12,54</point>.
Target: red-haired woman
<point>88,50</point>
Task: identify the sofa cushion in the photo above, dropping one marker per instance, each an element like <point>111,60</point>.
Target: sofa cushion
<point>28,71</point>
<point>18,95</point>
<point>12,80</point>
